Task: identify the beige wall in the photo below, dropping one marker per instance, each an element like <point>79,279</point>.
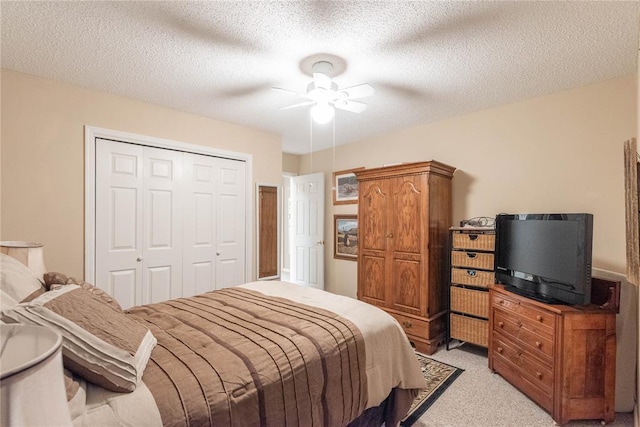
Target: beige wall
<point>556,153</point>
<point>43,156</point>
<point>290,163</point>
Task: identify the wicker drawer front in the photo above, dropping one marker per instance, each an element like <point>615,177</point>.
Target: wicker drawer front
<point>543,320</point>
<point>472,259</point>
<point>481,242</point>
<point>470,301</point>
<point>468,329</point>
<point>467,276</point>
<point>539,340</point>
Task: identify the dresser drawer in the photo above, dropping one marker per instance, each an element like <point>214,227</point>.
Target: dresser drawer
<point>541,318</point>
<point>481,242</point>
<point>469,301</point>
<point>513,375</point>
<point>482,260</point>
<point>412,326</point>
<point>469,276</point>
<point>538,339</point>
<point>536,372</point>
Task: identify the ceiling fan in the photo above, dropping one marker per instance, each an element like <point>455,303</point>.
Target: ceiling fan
<point>324,94</point>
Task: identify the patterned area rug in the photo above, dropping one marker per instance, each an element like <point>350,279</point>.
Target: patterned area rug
<point>439,377</point>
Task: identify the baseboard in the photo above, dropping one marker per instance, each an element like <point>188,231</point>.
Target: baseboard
<point>636,417</point>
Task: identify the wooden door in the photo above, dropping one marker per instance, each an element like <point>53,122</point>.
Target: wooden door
<point>268,231</point>
<point>374,222</point>
<point>408,244</point>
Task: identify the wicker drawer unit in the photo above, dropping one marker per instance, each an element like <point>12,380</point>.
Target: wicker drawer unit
<point>471,265</point>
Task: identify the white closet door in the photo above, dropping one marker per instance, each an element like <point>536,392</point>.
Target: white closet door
<point>199,259</point>
<point>162,225</point>
<point>231,224</point>
<point>119,217</point>
<point>168,224</point>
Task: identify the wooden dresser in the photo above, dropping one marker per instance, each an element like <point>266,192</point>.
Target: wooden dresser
<point>471,260</point>
<point>404,213</point>
<point>562,357</point>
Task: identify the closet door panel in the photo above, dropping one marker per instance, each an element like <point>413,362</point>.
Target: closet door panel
<point>199,246</point>
<point>162,226</point>
<point>231,224</point>
<point>119,215</point>
<point>168,223</point>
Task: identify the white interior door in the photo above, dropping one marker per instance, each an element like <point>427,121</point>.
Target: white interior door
<point>162,225</point>
<point>168,223</point>
<point>307,233</point>
<point>119,217</point>
<point>200,224</point>
<point>231,224</point>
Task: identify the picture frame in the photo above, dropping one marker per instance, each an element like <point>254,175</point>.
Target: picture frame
<point>345,237</point>
<point>345,187</point>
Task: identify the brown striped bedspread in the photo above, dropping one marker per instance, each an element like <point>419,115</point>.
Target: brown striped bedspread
<point>239,357</point>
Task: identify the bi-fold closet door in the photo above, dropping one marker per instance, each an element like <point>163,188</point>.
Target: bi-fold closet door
<point>168,223</point>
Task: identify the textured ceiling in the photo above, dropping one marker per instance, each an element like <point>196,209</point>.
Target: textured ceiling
<point>426,60</point>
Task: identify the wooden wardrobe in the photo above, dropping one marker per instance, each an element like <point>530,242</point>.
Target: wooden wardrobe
<point>404,213</point>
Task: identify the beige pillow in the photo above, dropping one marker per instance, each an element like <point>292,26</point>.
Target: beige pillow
<point>54,280</point>
<point>17,282</point>
<point>100,343</point>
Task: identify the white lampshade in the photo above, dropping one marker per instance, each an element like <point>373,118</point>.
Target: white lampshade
<point>31,377</point>
<point>30,254</point>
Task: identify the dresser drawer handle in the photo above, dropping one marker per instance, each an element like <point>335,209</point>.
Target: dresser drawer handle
<point>538,344</point>
<point>501,324</point>
<point>500,349</point>
<point>539,375</point>
<point>472,273</point>
<point>471,255</point>
<point>406,324</point>
<point>519,323</point>
<point>501,301</point>
<point>539,318</point>
<point>473,236</point>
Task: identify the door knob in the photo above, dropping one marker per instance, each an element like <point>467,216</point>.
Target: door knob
<point>139,259</point>
<point>218,253</point>
<point>321,242</point>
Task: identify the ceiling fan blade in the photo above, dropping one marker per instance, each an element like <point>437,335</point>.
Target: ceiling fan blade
<point>289,91</point>
<point>353,106</point>
<point>300,104</point>
<point>359,91</point>
<point>321,81</point>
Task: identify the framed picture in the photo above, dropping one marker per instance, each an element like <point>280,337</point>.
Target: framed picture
<point>345,187</point>
<point>345,237</point>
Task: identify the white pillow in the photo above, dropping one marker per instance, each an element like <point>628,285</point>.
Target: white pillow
<point>16,280</point>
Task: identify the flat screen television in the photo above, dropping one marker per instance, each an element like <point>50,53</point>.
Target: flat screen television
<point>546,257</point>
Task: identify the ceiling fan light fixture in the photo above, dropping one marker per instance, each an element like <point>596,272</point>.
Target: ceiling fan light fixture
<point>322,113</point>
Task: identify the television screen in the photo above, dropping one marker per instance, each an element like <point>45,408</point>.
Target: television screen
<point>545,256</point>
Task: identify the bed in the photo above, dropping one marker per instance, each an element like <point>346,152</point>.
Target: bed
<point>262,353</point>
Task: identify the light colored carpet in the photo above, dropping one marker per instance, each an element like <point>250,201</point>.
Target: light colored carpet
<point>480,398</point>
